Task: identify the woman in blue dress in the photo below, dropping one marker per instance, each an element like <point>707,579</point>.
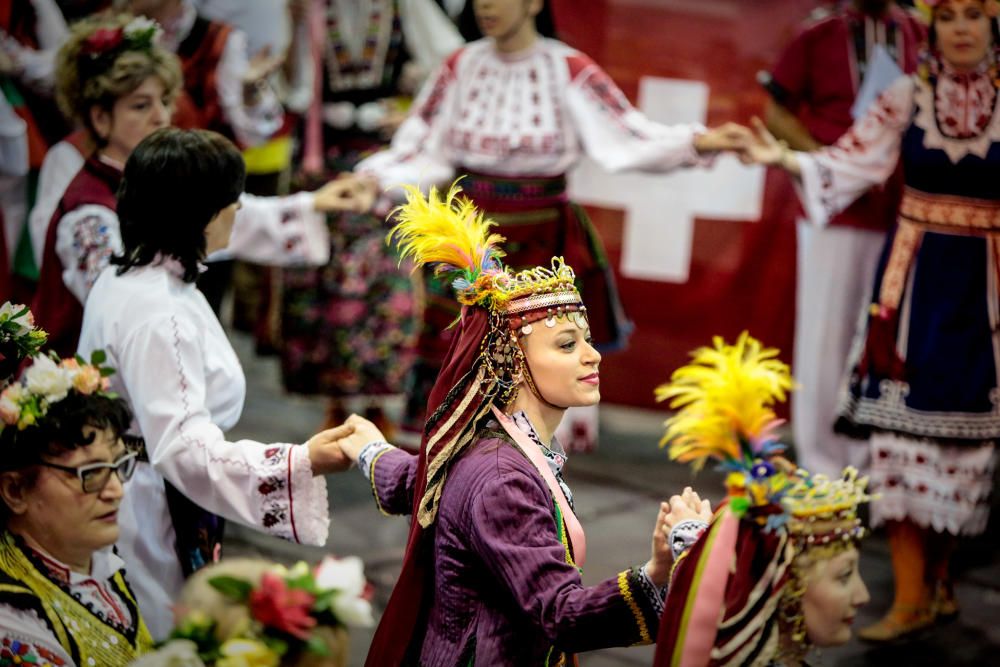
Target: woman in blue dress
<point>923,384</point>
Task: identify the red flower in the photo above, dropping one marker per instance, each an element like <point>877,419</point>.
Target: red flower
<point>282,608</point>
<point>103,40</point>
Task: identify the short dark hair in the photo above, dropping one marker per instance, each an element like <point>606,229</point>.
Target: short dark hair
<point>61,430</point>
<point>174,183</point>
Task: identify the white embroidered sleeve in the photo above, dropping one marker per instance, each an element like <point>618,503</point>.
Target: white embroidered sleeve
<point>86,238</point>
<point>617,135</point>
<point>33,636</point>
<point>265,486</point>
<point>61,164</point>
<point>832,178</point>
<point>279,231</point>
<point>417,154</point>
<point>252,125</point>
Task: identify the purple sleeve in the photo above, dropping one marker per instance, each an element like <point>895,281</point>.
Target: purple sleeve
<point>513,531</point>
<point>393,475</point>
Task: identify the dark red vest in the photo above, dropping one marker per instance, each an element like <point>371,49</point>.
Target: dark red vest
<point>198,104</point>
<point>56,309</point>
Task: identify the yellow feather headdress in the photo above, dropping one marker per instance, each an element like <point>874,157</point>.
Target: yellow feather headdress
<point>725,412</point>
<point>451,235</point>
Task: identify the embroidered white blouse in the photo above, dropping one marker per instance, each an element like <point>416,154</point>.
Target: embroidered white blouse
<point>17,625</point>
<point>530,113</point>
<point>278,231</point>
<point>179,373</point>
<point>866,155</point>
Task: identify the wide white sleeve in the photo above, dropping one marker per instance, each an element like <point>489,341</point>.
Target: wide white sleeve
<point>833,177</point>
<point>13,142</point>
<point>617,135</point>
<point>36,639</point>
<point>279,231</point>
<point>269,487</point>
<point>86,238</point>
<point>61,164</point>
<point>417,154</point>
<point>252,125</point>
<point>429,34</point>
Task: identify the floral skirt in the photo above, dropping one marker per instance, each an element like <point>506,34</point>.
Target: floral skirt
<point>349,328</point>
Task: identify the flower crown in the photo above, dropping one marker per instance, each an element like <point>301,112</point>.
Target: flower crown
<point>455,238</point>
<point>100,49</point>
<point>19,337</point>
<point>286,608</point>
<point>49,380</point>
<point>725,400</point>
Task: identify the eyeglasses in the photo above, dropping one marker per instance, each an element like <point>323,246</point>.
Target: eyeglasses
<point>94,476</point>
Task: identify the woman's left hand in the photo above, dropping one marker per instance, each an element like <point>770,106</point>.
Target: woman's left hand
<point>658,567</point>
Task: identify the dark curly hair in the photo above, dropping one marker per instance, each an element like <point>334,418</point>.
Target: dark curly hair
<point>60,431</point>
<point>175,182</point>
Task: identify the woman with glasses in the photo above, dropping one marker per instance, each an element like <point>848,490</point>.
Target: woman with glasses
<point>65,599</point>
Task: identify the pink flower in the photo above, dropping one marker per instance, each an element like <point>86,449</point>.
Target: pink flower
<point>87,380</point>
<point>10,411</point>
<point>70,364</point>
<point>285,609</point>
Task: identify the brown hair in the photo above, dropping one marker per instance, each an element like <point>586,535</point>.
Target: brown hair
<point>83,81</point>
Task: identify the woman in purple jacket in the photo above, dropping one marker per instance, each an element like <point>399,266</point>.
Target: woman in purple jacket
<point>491,574</point>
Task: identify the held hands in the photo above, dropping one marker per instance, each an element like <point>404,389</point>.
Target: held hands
<point>325,450</point>
<point>686,506</point>
<point>753,145</point>
<point>259,69</point>
<point>726,137</point>
<point>363,433</point>
<point>764,148</point>
<point>349,192</point>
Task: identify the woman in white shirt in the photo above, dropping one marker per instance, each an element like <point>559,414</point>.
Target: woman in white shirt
<point>177,202</point>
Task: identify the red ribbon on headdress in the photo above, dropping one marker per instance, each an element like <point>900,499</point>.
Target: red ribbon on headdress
<point>399,621</point>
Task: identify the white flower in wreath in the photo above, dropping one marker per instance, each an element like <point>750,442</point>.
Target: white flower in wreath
<point>25,323</point>
<point>139,25</point>
<point>346,575</point>
<point>45,378</point>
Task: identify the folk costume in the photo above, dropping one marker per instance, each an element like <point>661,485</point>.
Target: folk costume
<point>923,382</point>
<point>817,78</point>
<point>514,125</point>
<point>181,376</point>
<point>84,234</point>
<point>735,596</point>
<point>491,572</point>
<point>51,614</point>
<point>348,329</point>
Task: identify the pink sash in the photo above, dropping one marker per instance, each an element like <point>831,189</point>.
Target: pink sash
<point>530,449</point>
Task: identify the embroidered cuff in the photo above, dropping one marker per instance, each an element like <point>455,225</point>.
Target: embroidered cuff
<point>308,504</point>
<point>685,534</point>
<point>655,594</point>
<point>640,603</point>
<point>368,455</point>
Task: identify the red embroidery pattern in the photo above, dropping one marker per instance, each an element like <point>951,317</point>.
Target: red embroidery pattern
<point>963,104</point>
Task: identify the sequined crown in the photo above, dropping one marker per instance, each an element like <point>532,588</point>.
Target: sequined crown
<point>822,510</point>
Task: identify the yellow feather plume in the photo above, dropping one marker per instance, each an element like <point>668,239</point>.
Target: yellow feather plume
<point>452,235</point>
<point>724,398</point>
